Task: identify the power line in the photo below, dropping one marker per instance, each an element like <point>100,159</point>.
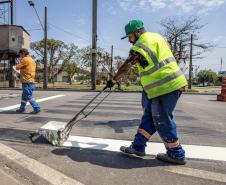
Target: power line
<point>35,29</point>
<point>103,43</point>
<point>68,32</point>
<point>109,44</point>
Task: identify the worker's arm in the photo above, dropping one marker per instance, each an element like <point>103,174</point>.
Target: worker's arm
<point>131,60</point>
<point>15,70</point>
<point>22,64</point>
<point>124,68</point>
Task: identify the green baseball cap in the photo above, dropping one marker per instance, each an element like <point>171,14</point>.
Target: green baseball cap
<point>132,26</point>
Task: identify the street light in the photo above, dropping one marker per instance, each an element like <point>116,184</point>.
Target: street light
<point>45,82</point>
<point>31,3</point>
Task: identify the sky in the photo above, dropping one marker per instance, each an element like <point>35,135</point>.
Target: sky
<point>71,21</point>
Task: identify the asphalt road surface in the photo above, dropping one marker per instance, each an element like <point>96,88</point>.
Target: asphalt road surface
<point>92,155</point>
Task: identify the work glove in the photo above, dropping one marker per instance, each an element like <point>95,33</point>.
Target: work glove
<point>110,83</point>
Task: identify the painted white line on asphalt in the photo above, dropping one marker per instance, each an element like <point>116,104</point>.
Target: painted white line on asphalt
<point>38,100</point>
<point>7,179</point>
<point>192,151</point>
<point>45,172</point>
<point>197,173</point>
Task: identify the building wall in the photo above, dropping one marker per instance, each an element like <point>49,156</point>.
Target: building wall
<point>4,41</point>
<point>18,38</point>
<point>13,38</point>
<point>26,43</point>
<point>62,77</point>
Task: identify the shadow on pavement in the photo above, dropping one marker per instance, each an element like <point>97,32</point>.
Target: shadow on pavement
<point>14,112</point>
<point>108,159</point>
<point>120,125</point>
<point>14,135</point>
<point>20,136</point>
<point>214,100</point>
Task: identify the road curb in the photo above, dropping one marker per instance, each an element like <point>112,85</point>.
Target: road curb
<point>39,169</point>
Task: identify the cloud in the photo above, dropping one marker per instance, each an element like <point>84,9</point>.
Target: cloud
<point>110,7</point>
<point>111,10</point>
<point>157,4</point>
<point>131,6</point>
<point>220,40</point>
<point>185,5</point>
<point>209,3</point>
<point>202,7</point>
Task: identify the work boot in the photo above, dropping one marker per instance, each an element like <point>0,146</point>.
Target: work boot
<point>167,158</point>
<point>20,111</point>
<point>35,112</point>
<point>131,150</point>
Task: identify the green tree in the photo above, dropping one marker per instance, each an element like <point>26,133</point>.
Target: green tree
<point>56,53</point>
<point>207,76</point>
<point>86,57</point>
<point>103,62</point>
<point>118,62</point>
<point>131,75</point>
<point>71,57</point>
<point>71,68</point>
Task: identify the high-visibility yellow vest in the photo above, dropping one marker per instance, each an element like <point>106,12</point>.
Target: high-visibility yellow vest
<point>162,75</point>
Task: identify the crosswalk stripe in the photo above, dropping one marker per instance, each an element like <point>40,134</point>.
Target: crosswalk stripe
<point>192,151</point>
<point>38,100</point>
<point>219,177</point>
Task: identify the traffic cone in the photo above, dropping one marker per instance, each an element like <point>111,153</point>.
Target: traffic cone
<point>222,96</point>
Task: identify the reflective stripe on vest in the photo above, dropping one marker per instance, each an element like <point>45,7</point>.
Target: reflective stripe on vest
<point>164,80</point>
<point>158,66</point>
<point>150,53</point>
<point>163,74</point>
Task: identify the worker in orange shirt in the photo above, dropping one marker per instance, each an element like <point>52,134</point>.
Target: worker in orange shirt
<point>27,68</point>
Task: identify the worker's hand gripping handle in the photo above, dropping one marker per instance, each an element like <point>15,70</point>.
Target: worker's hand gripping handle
<point>110,84</point>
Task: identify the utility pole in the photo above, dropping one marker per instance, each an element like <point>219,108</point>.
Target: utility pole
<point>11,59</point>
<point>12,80</point>
<point>11,10</point>
<point>221,64</point>
<point>190,65</point>
<point>45,82</point>
<point>111,61</point>
<point>94,45</point>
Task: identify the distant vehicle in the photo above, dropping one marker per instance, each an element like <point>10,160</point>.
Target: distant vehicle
<point>223,73</point>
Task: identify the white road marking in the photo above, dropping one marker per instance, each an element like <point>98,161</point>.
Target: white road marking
<point>192,151</point>
<point>197,173</point>
<point>6,178</point>
<point>38,100</point>
<point>49,174</point>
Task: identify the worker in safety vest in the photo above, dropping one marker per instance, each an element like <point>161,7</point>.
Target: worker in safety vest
<point>27,68</point>
<point>162,81</point>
